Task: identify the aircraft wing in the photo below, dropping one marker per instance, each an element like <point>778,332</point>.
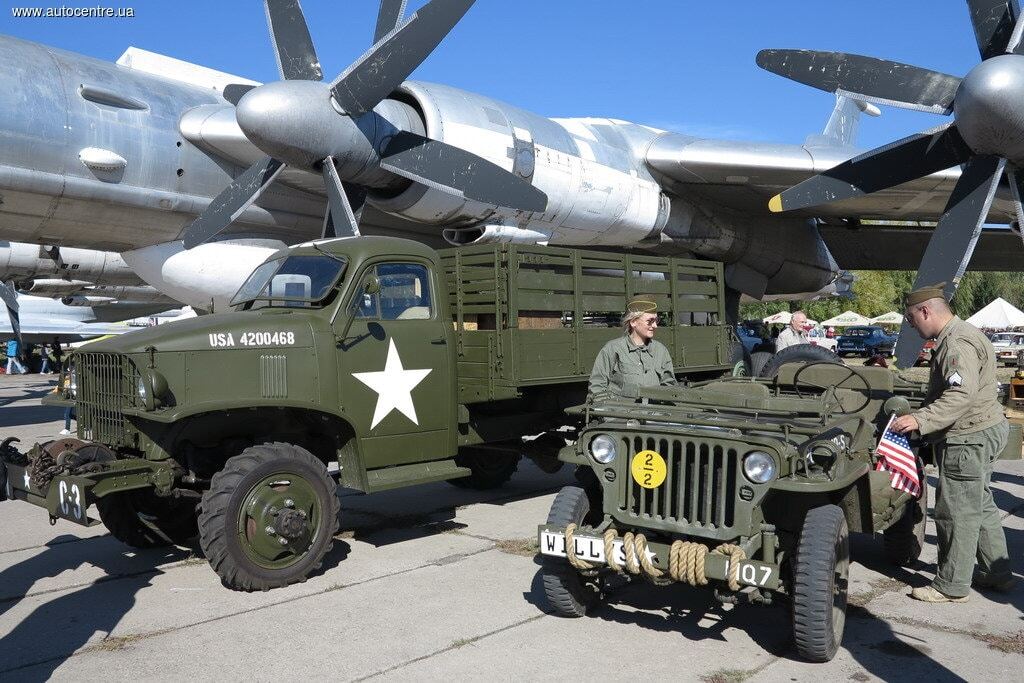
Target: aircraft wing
<point>743,176</point>
<point>37,332</point>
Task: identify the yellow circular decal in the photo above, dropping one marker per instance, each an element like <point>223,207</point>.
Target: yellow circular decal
<point>648,469</point>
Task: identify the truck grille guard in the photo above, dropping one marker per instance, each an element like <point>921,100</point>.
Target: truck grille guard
<point>106,385</point>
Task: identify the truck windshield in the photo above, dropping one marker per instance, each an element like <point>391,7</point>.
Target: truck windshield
<point>298,281</point>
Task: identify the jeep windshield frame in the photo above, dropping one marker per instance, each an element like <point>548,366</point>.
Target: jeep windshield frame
<point>292,281</point>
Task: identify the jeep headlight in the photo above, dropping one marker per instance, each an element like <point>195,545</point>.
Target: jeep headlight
<point>602,448</point>
<point>759,467</point>
<point>145,395</point>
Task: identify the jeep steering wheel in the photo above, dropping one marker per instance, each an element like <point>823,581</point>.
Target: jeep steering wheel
<point>850,373</point>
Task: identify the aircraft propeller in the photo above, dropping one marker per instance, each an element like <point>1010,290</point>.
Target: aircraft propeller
<point>9,295</point>
<point>986,136</point>
<point>300,121</point>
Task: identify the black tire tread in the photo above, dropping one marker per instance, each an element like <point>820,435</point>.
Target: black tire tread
<point>563,587</point>
<point>796,354</point>
<point>120,515</point>
<point>814,566</point>
<point>481,478</point>
<point>215,503</point>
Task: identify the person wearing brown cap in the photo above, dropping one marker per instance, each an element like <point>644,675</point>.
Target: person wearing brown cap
<point>962,415</point>
<point>635,359</point>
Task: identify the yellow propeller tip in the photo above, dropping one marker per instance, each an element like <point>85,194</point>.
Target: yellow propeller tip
<point>775,204</point>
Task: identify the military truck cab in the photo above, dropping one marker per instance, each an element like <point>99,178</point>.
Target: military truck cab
<point>373,361</point>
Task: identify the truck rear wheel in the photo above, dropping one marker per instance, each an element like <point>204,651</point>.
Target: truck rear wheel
<point>142,519</point>
<point>904,540</point>
<point>821,570</point>
<point>568,593</point>
<point>798,353</point>
<point>269,517</point>
<point>489,468</point>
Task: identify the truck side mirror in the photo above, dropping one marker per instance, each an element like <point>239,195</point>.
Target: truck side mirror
<point>372,285</point>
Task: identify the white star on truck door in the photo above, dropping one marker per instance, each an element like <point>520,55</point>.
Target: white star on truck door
<point>394,385</point>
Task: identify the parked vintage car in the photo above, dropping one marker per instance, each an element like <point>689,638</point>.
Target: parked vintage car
<point>1007,345</point>
<point>818,337</point>
<point>867,341</point>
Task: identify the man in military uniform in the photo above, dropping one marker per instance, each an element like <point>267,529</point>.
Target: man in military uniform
<point>635,359</point>
<point>962,415</point>
<point>794,334</point>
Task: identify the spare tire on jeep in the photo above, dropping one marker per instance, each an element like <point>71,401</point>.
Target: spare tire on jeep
<point>807,353</point>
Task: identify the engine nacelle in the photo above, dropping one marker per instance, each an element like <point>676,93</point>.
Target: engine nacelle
<point>494,234</point>
<point>52,287</point>
<point>23,261</point>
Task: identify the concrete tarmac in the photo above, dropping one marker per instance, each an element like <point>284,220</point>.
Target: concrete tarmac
<point>433,583</point>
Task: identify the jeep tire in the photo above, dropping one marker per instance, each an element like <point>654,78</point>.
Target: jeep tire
<point>490,468</point>
<point>142,519</point>
<point>269,517</point>
<point>904,540</point>
<point>568,593</point>
<point>821,571</point>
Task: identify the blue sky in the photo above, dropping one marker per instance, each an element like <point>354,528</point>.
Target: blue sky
<point>683,65</point>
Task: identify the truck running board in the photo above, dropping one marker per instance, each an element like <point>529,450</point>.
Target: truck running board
<point>418,473</point>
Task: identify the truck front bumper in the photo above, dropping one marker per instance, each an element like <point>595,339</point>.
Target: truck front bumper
<point>68,495</point>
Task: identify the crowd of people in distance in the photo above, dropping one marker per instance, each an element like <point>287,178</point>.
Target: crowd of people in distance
<point>46,359</point>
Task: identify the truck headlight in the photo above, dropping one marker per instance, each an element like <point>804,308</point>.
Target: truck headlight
<point>72,383</point>
<point>145,395</point>
<point>759,467</point>
<point>151,388</point>
<point>602,448</point>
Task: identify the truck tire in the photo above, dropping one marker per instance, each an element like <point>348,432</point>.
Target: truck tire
<point>904,540</point>
<point>758,359</point>
<point>567,592</point>
<point>821,571</point>
<point>269,517</point>
<point>489,468</point>
<point>796,354</point>
<point>142,519</point>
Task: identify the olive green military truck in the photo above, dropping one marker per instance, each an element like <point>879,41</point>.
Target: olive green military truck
<point>748,486</point>
<point>374,361</point>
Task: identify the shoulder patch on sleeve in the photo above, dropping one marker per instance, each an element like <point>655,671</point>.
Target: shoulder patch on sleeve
<point>955,380</point>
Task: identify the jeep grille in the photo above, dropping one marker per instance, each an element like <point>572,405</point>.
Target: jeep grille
<point>106,384</point>
<point>699,492</point>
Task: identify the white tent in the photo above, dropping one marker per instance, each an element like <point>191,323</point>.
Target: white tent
<point>998,315</point>
<point>846,319</point>
<point>890,318</point>
<point>780,318</point>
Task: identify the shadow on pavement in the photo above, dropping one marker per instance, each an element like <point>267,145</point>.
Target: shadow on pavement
<point>56,628</point>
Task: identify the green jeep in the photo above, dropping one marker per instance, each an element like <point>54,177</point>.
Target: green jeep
<point>748,485</point>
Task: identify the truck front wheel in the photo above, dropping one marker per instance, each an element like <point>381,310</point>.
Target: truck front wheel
<point>568,593</point>
<point>269,517</point>
<point>821,572</point>
<point>142,519</point>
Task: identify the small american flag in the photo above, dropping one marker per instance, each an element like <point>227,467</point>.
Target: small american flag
<point>898,459</point>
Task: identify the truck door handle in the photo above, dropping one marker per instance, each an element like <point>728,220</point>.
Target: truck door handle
<point>439,340</point>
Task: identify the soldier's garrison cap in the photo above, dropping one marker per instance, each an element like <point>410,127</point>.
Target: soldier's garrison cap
<point>922,294</point>
<point>642,303</point>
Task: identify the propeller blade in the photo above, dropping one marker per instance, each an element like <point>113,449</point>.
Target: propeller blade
<point>866,78</point>
<point>952,243</point>
<point>340,220</point>
<point>293,46</point>
<point>1014,44</point>
<point>912,157</point>
<point>232,201</point>
<point>9,295</point>
<point>1016,180</point>
<point>234,91</point>
<point>388,17</point>
<point>456,171</point>
<point>377,73</point>
<point>993,22</point>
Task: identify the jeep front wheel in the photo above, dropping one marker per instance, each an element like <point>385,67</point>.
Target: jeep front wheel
<point>821,570</point>
<point>269,517</point>
<point>567,591</point>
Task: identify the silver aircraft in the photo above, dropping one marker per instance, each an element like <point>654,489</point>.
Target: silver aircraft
<point>194,176</point>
